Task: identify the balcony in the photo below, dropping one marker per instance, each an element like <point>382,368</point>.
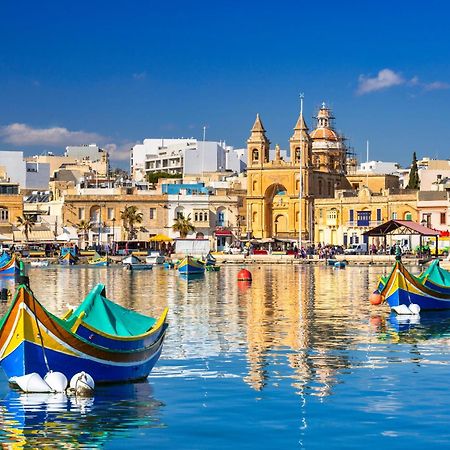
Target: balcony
<point>364,223</point>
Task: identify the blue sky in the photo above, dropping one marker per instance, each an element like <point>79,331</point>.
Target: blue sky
<point>117,72</point>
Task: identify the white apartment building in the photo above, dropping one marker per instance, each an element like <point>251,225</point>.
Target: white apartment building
<point>379,167</point>
<point>184,156</point>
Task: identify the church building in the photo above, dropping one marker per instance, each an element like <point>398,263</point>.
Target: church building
<point>273,186</point>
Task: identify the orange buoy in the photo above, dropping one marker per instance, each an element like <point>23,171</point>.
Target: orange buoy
<point>244,275</point>
<point>376,298</point>
<point>243,286</point>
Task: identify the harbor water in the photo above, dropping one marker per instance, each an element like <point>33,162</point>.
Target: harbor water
<point>296,359</point>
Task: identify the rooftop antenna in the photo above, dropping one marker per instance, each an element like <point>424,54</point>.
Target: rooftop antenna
<point>367,166</point>
<point>203,149</point>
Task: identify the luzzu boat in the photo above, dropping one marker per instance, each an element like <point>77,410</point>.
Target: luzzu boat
<point>111,343</point>
<point>99,261</point>
<point>403,288</point>
<point>67,260</point>
<point>191,266</point>
<point>8,265</point>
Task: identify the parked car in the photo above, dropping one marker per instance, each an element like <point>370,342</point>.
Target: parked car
<point>356,249</point>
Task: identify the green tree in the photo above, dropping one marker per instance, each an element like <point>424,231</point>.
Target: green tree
<point>131,216</point>
<point>83,228</point>
<point>183,225</point>
<point>414,181</point>
<point>153,177</point>
<point>27,223</point>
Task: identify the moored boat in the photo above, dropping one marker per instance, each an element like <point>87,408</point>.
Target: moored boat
<point>40,263</point>
<point>403,288</point>
<point>155,257</point>
<point>134,263</point>
<point>67,260</point>
<point>111,343</point>
<point>191,266</point>
<point>8,265</point>
<point>99,261</point>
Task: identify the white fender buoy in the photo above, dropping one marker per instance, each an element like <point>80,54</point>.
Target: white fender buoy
<point>82,383</point>
<point>414,308</point>
<point>32,382</point>
<point>401,310</point>
<point>57,381</point>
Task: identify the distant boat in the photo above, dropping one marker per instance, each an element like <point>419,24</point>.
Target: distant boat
<point>191,266</point>
<point>40,263</point>
<point>68,259</point>
<point>8,265</point>
<point>134,263</point>
<point>155,257</point>
<point>430,290</point>
<point>106,340</point>
<point>99,261</point>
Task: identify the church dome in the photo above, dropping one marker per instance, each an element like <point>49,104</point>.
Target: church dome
<point>324,134</point>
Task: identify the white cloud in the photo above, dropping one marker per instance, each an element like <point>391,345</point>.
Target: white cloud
<point>119,152</point>
<point>23,134</point>
<point>385,79</point>
<point>436,85</point>
<point>388,78</point>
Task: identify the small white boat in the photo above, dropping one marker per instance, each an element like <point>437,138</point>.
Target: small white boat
<point>40,263</point>
<point>155,257</point>
<point>134,263</point>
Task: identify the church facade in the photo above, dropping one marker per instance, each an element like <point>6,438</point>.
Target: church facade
<point>318,159</point>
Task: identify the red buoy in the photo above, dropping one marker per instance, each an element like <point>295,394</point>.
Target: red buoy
<point>244,275</point>
<point>375,298</point>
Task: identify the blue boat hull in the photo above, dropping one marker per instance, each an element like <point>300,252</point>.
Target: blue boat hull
<point>28,357</point>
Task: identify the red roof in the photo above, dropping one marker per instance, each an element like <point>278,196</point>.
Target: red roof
<point>401,227</point>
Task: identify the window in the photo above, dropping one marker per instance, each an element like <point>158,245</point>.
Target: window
<point>394,216</point>
<point>205,216</point>
<point>220,218</point>
<point>152,213</point>
<point>408,216</point>
<point>4,214</point>
<point>363,218</point>
<point>80,213</point>
<point>179,214</point>
<point>297,155</point>
<point>443,218</point>
<point>196,217</point>
<point>351,215</point>
<point>255,155</point>
<point>332,214</point>
<point>379,215</point>
<point>110,213</point>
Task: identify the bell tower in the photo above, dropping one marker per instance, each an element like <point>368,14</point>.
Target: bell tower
<point>257,145</point>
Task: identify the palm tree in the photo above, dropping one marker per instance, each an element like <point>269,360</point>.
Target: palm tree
<point>83,228</point>
<point>26,222</point>
<point>183,225</point>
<point>130,217</point>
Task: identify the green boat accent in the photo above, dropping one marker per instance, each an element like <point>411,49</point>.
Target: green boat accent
<point>436,274</point>
<point>111,318</point>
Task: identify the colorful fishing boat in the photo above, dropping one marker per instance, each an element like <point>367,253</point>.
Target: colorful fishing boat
<point>191,266</point>
<point>111,343</point>
<point>99,261</point>
<point>67,260</point>
<point>403,288</point>
<point>8,265</point>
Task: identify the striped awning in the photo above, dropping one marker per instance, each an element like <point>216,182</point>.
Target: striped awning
<point>35,235</point>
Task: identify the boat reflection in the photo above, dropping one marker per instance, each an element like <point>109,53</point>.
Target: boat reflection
<point>49,420</point>
<point>414,329</point>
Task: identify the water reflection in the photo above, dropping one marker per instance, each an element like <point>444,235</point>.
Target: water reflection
<point>47,420</point>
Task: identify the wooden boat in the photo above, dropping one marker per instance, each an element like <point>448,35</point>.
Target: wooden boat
<point>134,263</point>
<point>191,266</point>
<point>111,343</point>
<point>67,260</point>
<point>340,264</point>
<point>403,288</point>
<point>99,261</point>
<point>8,265</point>
<point>155,257</point>
<point>212,268</point>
